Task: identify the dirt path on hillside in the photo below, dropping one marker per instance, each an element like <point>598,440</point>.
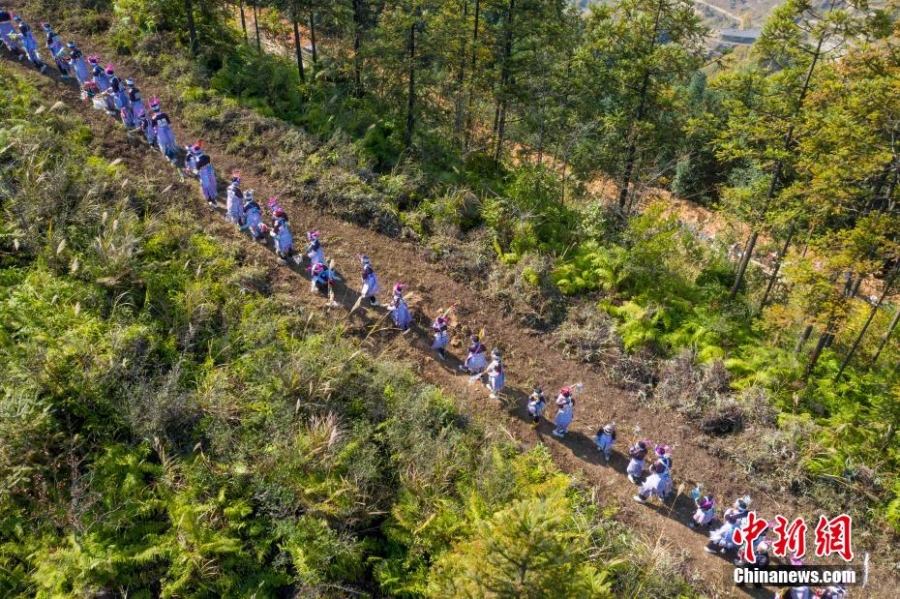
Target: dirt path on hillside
<point>707,224</point>
<point>530,358</point>
<point>703,222</point>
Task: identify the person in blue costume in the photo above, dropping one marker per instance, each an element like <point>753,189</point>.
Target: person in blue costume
<point>30,44</point>
<point>370,285</point>
<point>165,138</point>
<point>496,373</point>
<point>200,166</point>
<point>136,109</point>
<point>400,313</point>
<point>118,96</point>
<point>314,249</point>
<point>605,439</point>
<point>253,220</point>
<point>57,50</point>
<point>78,64</point>
<point>234,201</point>
<point>281,232</point>
<point>9,35</point>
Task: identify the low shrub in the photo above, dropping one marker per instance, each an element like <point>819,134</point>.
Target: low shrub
<point>589,335</point>
<point>528,215</point>
<point>526,290</point>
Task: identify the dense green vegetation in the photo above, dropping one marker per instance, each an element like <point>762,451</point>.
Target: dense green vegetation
<point>169,428</point>
<point>482,146</point>
<point>526,146</point>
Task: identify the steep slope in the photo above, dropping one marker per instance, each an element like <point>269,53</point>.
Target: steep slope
<point>530,359</point>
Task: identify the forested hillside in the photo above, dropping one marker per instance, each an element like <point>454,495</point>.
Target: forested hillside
<point>174,426</point>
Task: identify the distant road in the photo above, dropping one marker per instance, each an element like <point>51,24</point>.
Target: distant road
<point>721,11</point>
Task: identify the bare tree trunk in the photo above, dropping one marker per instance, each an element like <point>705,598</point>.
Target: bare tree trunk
<point>503,100</point>
<point>411,104</point>
<point>312,37</point>
<point>887,288</point>
<point>357,44</point>
<point>192,27</point>
<point>806,243</point>
<point>817,352</point>
<point>779,166</point>
<point>472,74</point>
<point>297,46</point>
<point>256,25</point>
<point>243,21</point>
<point>777,268</point>
<point>825,340</point>
<point>883,201</point>
<point>887,336</point>
<point>541,132</point>
<point>501,133</point>
<point>459,121</point>
<point>631,154</point>
<point>803,339</point>
<point>747,250</point>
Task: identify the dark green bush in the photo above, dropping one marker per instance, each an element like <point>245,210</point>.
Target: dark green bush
<point>266,83</point>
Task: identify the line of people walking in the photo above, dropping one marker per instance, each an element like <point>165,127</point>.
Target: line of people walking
<point>649,465</point>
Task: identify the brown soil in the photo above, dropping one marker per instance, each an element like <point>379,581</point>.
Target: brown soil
<point>530,358</point>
